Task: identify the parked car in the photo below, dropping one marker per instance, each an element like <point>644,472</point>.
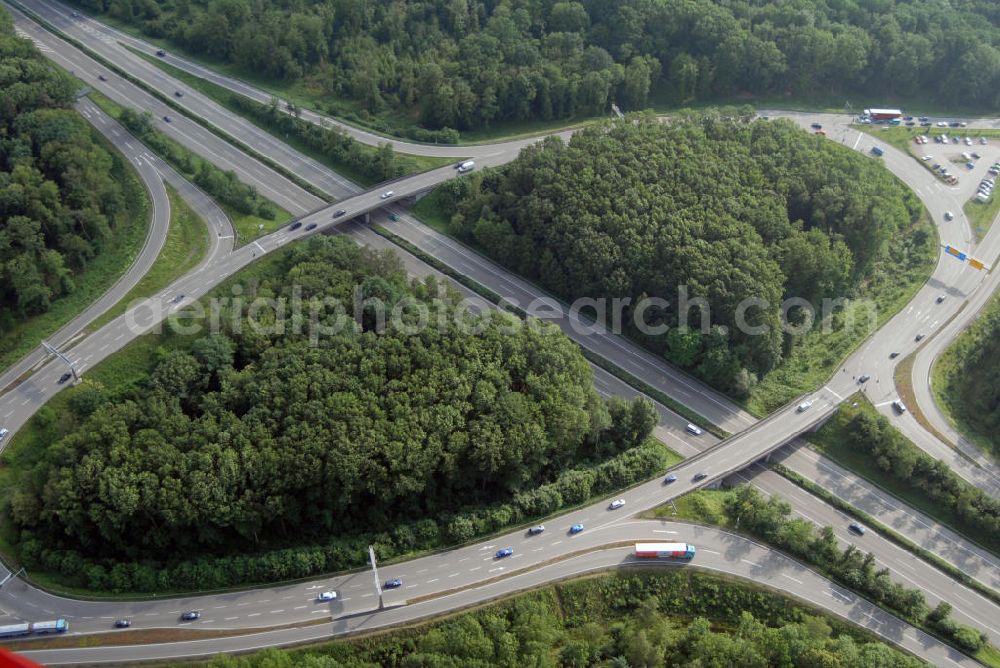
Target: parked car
<point>296,225</point>
<point>123,623</point>
<point>190,615</point>
<point>66,376</point>
<point>505,552</point>
<point>670,478</point>
<point>576,528</point>
<point>339,212</point>
<point>918,337</point>
<point>616,504</point>
<point>923,119</point>
<point>534,531</point>
<point>395,583</point>
<point>310,226</point>
<point>327,596</point>
<point>387,194</point>
<point>700,475</point>
<point>857,528</point>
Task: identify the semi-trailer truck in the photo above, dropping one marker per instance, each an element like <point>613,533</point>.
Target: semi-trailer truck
<point>664,551</point>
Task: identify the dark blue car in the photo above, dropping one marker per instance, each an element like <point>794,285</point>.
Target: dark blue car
<point>393,584</point>
<point>506,552</point>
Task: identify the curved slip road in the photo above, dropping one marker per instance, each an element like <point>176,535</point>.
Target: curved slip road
<point>718,551</point>
<point>258,172</point>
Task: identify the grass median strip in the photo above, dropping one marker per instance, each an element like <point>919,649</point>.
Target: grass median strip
<point>183,250</point>
<point>947,567</point>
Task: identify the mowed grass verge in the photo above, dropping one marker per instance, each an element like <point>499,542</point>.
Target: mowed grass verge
<point>185,247</point>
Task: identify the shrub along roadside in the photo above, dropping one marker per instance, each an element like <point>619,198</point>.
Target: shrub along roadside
<point>769,520</point>
<point>864,441</point>
<point>572,488</point>
<point>890,534</point>
<point>251,214</point>
<point>628,618</point>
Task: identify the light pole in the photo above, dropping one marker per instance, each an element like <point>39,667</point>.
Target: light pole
<point>378,584</point>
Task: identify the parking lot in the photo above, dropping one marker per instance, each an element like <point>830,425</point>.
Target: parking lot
<point>961,158</point>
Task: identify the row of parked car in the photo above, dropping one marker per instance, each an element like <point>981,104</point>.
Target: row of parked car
<point>986,186</point>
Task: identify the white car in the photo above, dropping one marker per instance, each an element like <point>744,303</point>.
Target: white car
<point>3,433</point>
<point>616,504</point>
<point>693,429</point>
<point>926,158</point>
<point>948,215</point>
<point>387,194</point>
<point>942,124</point>
<point>804,406</point>
<point>327,596</point>
<point>899,406</point>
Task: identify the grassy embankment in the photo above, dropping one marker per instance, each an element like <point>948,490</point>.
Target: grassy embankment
<point>185,247</point>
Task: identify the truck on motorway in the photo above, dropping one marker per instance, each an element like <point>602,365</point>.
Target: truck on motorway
<point>54,626</point>
<point>664,551</point>
<point>15,630</point>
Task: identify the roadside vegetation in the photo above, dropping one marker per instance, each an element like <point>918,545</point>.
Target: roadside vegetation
<point>428,71</point>
<point>363,164</point>
<point>670,618</point>
<point>185,247</point>
<point>863,441</point>
<point>965,385</point>
<point>256,456</point>
<point>73,215</point>
<point>719,205</point>
<point>746,510</point>
<point>252,215</point>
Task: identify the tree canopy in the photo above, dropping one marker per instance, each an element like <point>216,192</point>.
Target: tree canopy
<point>59,200</point>
<point>247,439</point>
<point>727,208</point>
<point>468,63</point>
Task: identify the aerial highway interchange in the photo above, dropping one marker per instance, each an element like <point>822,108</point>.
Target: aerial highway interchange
<point>469,574</point>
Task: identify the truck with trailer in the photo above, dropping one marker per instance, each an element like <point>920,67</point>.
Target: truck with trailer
<point>664,551</point>
<point>15,630</point>
<point>883,115</point>
<point>54,626</point>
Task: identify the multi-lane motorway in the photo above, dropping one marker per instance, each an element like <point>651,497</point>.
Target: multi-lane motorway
<point>732,456</point>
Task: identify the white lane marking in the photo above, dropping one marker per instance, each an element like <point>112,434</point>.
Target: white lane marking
<point>434,580</point>
<point>453,575</point>
<point>229,619</point>
<point>254,614</point>
<point>791,578</point>
<point>705,549</point>
<point>755,565</point>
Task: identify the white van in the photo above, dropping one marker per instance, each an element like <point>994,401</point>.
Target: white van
<point>693,429</point>
<point>899,406</point>
<point>466,166</point>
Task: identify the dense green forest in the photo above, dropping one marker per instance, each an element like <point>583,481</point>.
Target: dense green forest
<point>60,200</point>
<point>466,63</point>
<point>731,208</point>
<point>250,439</point>
<point>965,379</point>
<point>672,618</point>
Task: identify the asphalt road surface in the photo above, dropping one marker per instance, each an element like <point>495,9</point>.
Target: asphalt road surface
<point>779,433</point>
